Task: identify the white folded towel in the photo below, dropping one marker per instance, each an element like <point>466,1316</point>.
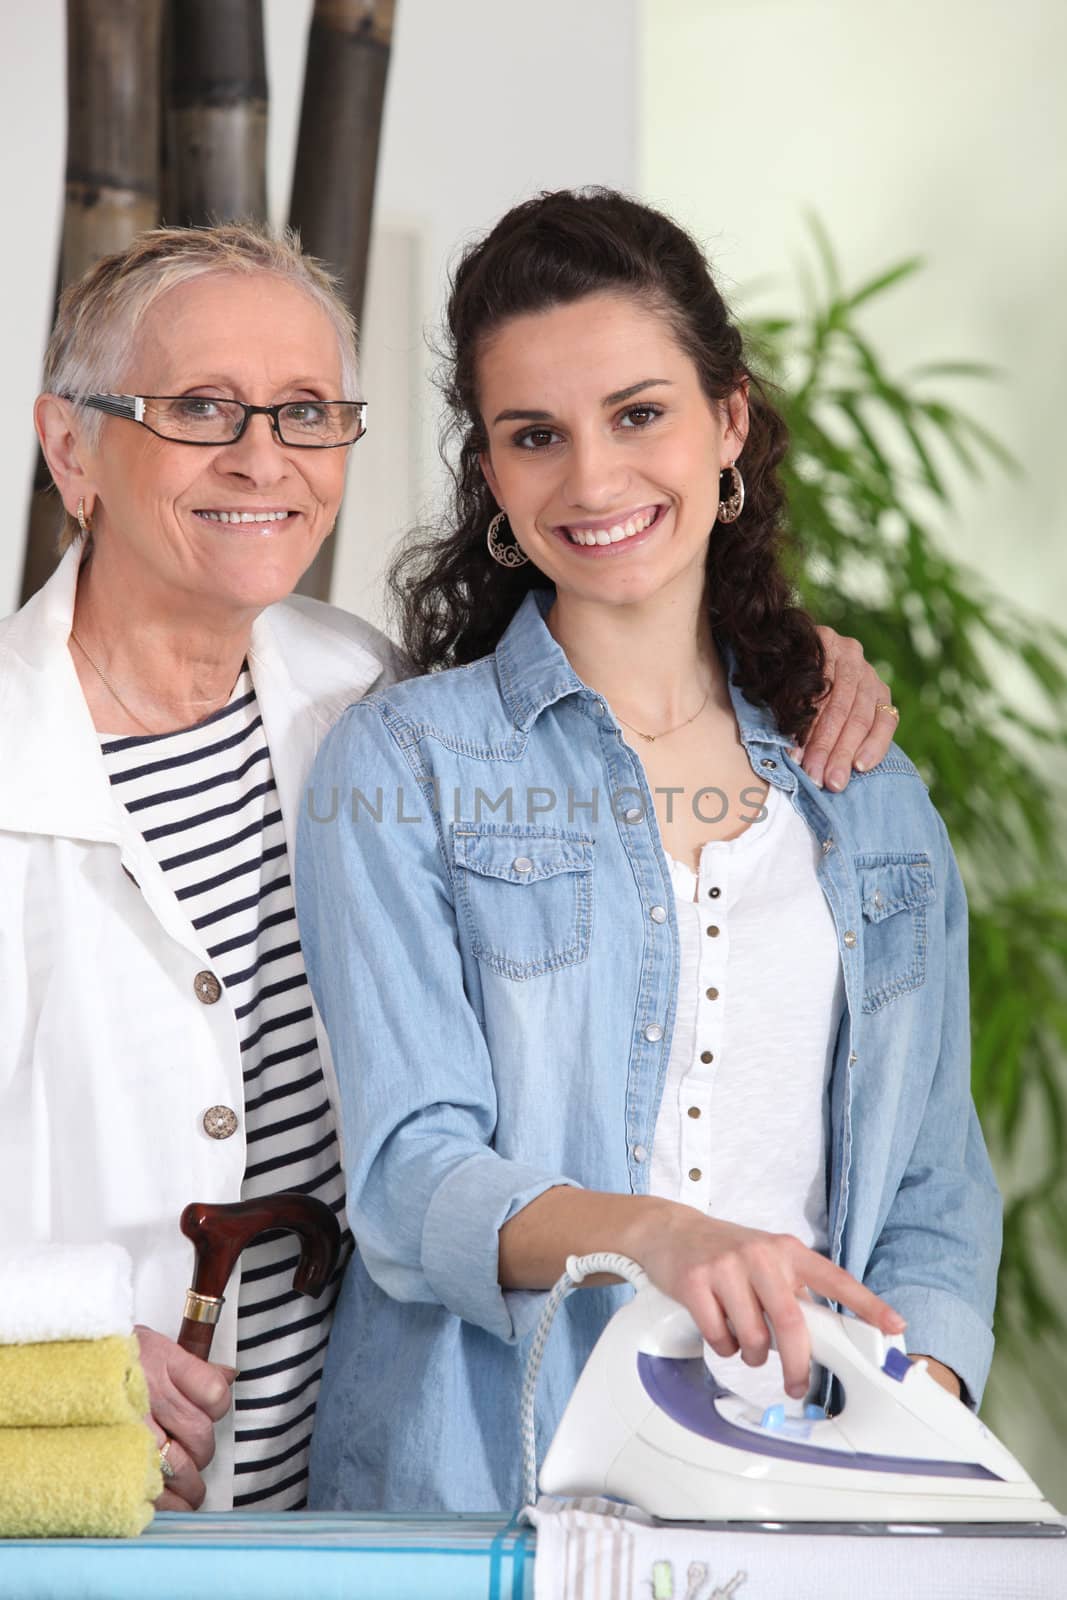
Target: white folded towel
<point>64,1291</point>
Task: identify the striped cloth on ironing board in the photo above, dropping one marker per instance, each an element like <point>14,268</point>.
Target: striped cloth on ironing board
<point>596,1549</point>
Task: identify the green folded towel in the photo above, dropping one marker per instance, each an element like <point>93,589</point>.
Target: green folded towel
<point>71,1383</point>
<point>87,1483</point>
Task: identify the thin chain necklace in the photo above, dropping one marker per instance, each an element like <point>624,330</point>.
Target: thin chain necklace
<point>113,692</point>
<point>651,738</point>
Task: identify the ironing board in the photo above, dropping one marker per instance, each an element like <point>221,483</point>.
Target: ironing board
<point>327,1556</point>
<point>262,1556</point>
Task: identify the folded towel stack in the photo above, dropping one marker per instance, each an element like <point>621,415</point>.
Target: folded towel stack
<point>76,1457</point>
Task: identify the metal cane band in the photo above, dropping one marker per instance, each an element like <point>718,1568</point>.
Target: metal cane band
<point>203,1307</point>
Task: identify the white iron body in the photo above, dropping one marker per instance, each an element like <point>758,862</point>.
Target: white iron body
<point>647,1424</point>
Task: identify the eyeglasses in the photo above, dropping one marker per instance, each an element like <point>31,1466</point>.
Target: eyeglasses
<point>204,420</point>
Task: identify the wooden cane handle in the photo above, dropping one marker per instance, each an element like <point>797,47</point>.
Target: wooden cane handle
<point>220,1233</point>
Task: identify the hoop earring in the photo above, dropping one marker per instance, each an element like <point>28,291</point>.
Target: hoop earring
<point>504,553</point>
<point>83,521</point>
<point>731,494</point>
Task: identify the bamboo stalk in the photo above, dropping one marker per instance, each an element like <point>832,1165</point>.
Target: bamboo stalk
<point>111,179</point>
<point>337,159</point>
<point>215,119</point>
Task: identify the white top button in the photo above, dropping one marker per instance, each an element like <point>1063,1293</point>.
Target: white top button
<point>522,864</point>
<point>658,913</point>
<point>634,814</point>
<point>653,1033</point>
<point>640,1153</point>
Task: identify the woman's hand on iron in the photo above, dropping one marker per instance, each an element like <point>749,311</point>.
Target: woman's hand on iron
<point>850,730</point>
<point>187,1397</point>
<point>733,1281</point>
<point>738,1283</point>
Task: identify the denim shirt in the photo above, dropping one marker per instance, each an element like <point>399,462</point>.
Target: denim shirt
<point>477,863</point>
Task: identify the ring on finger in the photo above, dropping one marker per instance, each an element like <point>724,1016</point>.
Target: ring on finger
<point>164,1464</point>
<point>886,705</point>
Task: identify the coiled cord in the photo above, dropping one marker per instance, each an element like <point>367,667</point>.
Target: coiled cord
<point>578,1269</point>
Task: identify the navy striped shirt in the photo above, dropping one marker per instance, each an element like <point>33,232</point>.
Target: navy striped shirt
<point>205,801</point>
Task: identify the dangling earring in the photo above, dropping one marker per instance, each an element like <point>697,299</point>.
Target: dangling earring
<point>731,494</point>
<point>83,521</point>
<point>507,554</point>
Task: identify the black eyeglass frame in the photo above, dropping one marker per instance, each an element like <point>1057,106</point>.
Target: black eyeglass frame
<point>131,408</point>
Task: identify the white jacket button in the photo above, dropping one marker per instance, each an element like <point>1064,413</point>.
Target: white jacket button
<point>207,987</point>
<point>220,1122</point>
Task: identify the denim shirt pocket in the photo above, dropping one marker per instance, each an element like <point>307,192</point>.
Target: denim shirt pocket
<point>525,895</point>
<point>895,891</point>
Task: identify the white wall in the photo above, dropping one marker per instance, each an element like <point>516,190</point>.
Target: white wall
<point>911,128</point>
<point>487,102</point>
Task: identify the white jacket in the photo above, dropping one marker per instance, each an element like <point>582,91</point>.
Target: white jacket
<point>108,1058</point>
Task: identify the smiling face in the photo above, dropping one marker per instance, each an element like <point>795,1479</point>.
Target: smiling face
<point>229,526</point>
<point>604,450</point>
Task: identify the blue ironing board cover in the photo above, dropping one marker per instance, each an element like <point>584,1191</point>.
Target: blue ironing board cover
<point>244,1555</point>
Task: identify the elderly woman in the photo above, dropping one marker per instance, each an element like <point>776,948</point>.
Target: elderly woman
<point>162,703</point>
<point>160,713</point>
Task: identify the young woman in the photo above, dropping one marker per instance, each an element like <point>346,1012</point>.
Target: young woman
<point>602,967</point>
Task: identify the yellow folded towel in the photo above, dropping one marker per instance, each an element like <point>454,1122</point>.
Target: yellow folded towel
<point>86,1483</point>
<point>71,1383</point>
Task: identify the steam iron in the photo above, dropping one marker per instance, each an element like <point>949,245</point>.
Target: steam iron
<point>647,1423</point>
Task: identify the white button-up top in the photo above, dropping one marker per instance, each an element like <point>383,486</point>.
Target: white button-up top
<point>741,1131</point>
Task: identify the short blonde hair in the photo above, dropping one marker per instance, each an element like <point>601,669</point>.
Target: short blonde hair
<point>100,314</point>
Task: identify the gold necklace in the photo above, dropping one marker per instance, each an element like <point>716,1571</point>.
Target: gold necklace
<point>651,738</point>
<point>113,692</point>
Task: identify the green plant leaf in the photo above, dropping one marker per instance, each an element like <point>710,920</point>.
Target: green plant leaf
<point>884,280</point>
<point>953,369</point>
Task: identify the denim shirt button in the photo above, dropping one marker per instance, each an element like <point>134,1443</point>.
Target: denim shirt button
<point>658,913</point>
<point>850,939</point>
<point>522,864</point>
<point>640,1153</point>
<point>598,707</point>
<point>634,814</point>
<point>769,764</point>
<point>827,846</point>
<point>653,1033</point>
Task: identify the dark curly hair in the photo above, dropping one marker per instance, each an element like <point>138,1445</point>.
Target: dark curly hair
<point>453,600</point>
